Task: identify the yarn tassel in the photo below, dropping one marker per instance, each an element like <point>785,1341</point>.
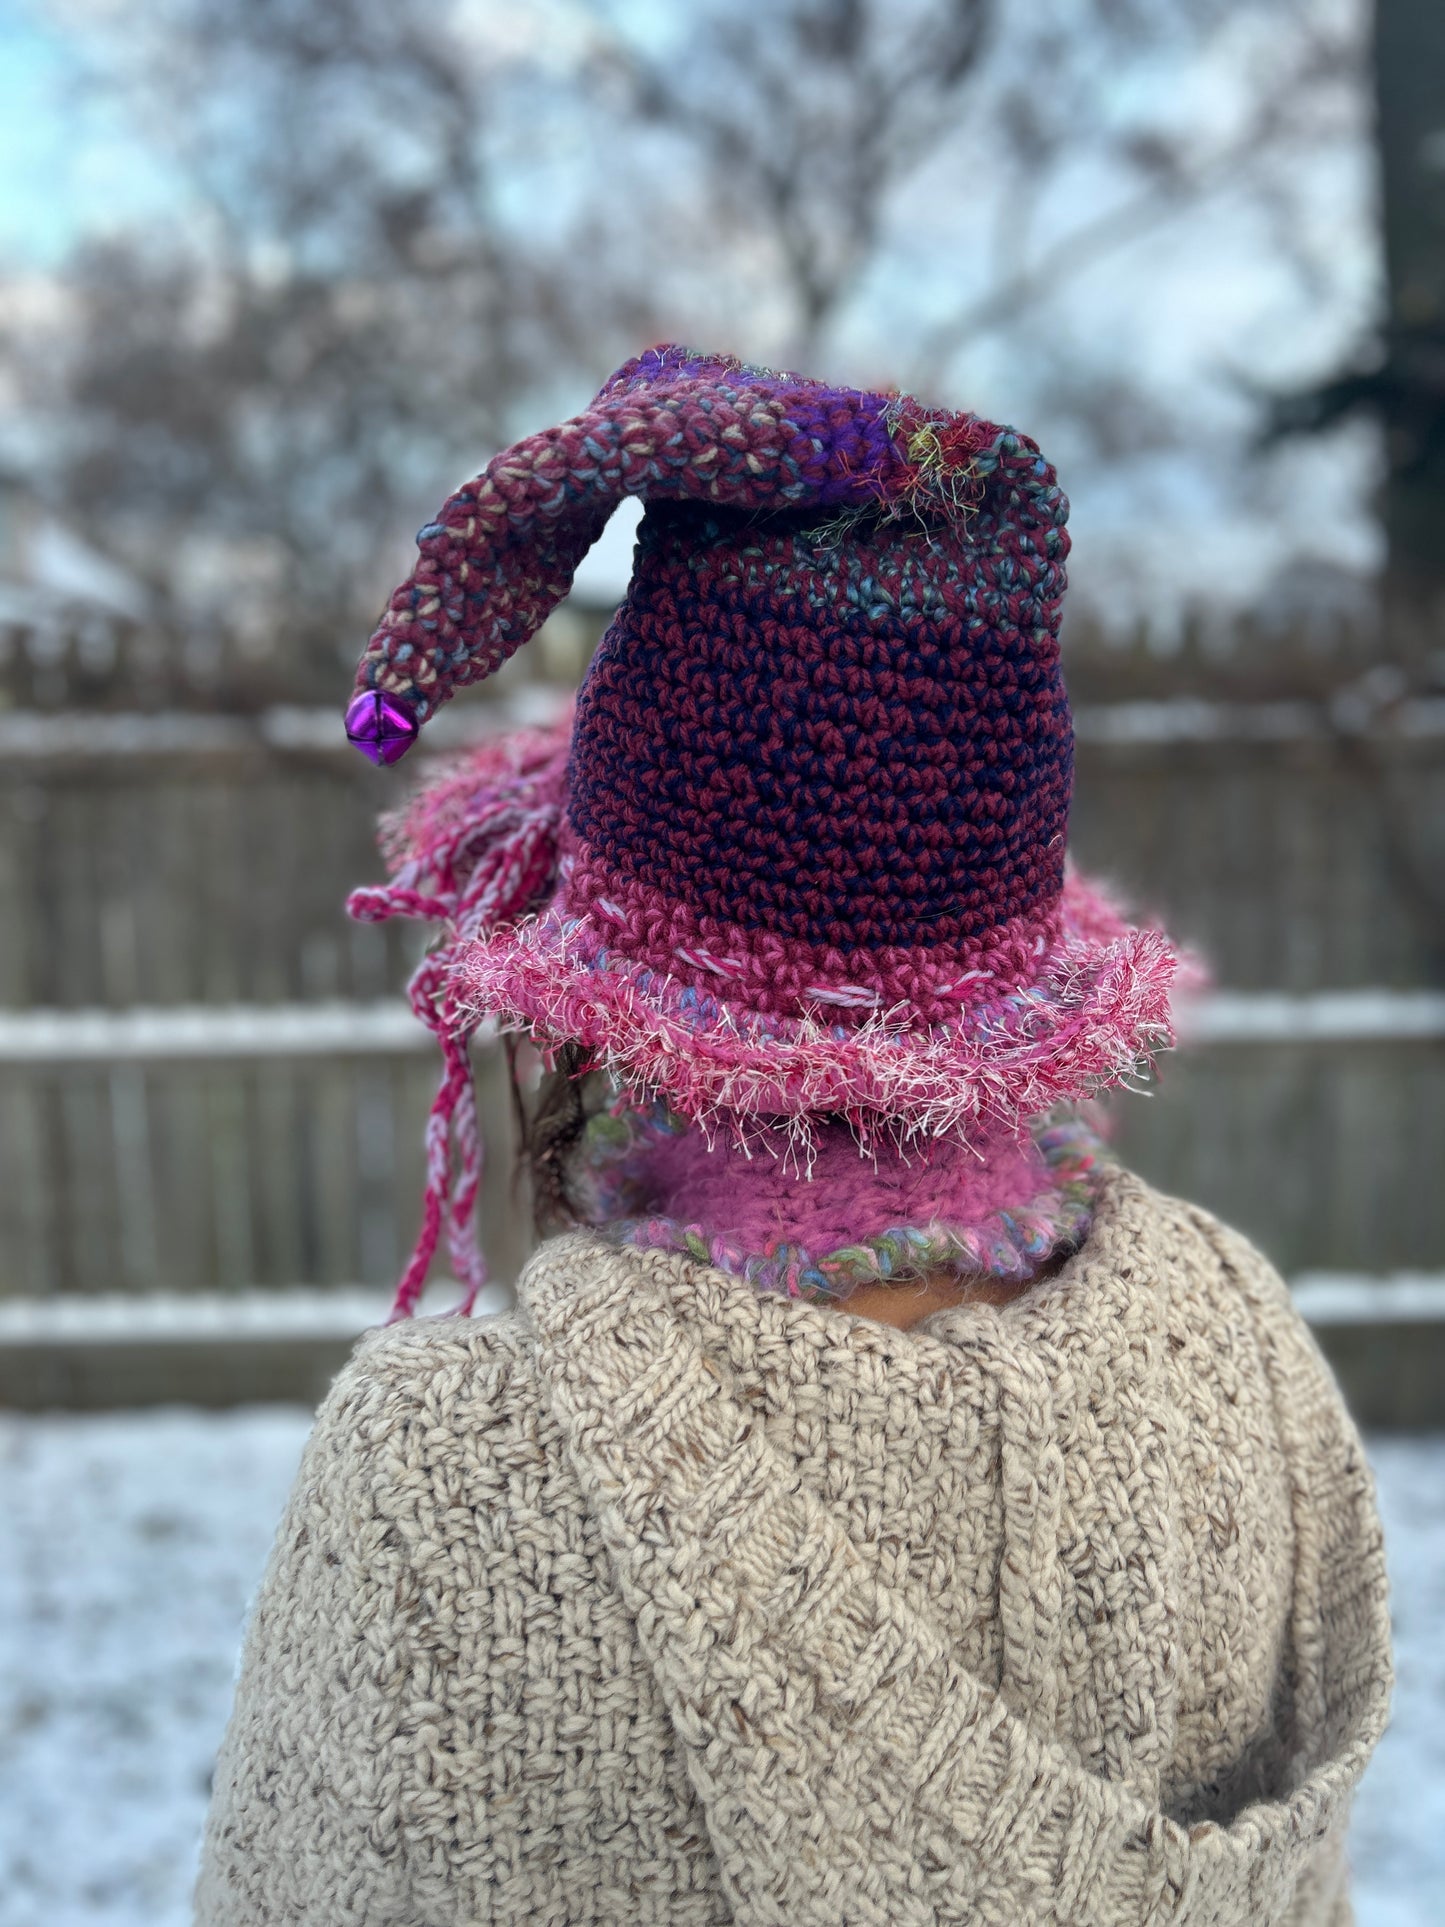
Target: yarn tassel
<point>468,1260</point>
<point>476,850</point>
<point>449,1197</point>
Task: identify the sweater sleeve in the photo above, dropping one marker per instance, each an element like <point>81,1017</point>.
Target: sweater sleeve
<point>305,1822</point>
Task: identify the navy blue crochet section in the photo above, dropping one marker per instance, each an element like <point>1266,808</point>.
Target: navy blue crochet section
<point>856,737</point>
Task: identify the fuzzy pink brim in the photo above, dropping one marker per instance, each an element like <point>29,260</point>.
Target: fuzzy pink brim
<point>1092,1014</point>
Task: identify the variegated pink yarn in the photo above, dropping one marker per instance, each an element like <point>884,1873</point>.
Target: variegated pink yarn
<point>845,1197</point>
<point>475,850</point>
<point>1003,1207</point>
<point>1093,1008</point>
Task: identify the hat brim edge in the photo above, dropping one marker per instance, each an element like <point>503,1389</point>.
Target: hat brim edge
<point>1094,1014</point>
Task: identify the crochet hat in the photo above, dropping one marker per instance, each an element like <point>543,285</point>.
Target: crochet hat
<point>805,851</point>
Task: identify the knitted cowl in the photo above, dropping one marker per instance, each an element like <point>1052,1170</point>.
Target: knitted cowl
<point>659,1601</point>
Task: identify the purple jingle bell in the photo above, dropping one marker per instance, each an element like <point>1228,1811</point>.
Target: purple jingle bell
<point>379,727</point>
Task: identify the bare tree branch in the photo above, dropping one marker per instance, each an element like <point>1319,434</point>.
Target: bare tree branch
<point>398,232</point>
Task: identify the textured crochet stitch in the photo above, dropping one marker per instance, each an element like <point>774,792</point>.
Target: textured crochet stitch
<point>806,852</point>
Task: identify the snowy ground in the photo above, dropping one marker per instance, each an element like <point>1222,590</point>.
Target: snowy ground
<point>128,1548</point>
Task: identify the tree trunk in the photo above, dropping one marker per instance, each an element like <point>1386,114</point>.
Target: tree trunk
<point>1409,63</point>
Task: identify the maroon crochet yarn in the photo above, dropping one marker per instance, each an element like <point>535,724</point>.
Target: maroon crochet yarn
<point>767,971</point>
<point>857,744</point>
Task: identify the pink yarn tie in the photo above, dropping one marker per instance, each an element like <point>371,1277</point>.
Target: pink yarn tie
<point>450,1195</point>
<point>474,853</point>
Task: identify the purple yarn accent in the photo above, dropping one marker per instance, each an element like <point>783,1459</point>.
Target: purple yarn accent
<point>477,849</point>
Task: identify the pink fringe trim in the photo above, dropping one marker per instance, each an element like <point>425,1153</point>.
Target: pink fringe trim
<point>1093,1014</point>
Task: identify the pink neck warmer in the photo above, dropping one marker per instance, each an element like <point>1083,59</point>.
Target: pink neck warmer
<point>847,1198</point>
<point>1003,1205</point>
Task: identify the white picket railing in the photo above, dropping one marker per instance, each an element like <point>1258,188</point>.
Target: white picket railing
<point>340,1028</point>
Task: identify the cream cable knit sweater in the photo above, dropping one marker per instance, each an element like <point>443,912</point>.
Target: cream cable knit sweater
<point>655,1601</point>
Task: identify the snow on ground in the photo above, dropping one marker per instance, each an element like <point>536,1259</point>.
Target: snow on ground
<point>1398,1844</point>
<point>130,1544</point>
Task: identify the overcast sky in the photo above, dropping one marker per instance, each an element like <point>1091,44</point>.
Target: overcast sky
<point>1192,306</point>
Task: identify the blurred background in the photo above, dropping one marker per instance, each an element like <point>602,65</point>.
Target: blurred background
<point>276,275</point>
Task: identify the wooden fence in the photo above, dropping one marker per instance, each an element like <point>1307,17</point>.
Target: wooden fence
<point>188,860</point>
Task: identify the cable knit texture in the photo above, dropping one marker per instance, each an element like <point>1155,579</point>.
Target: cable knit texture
<point>658,1601</point>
